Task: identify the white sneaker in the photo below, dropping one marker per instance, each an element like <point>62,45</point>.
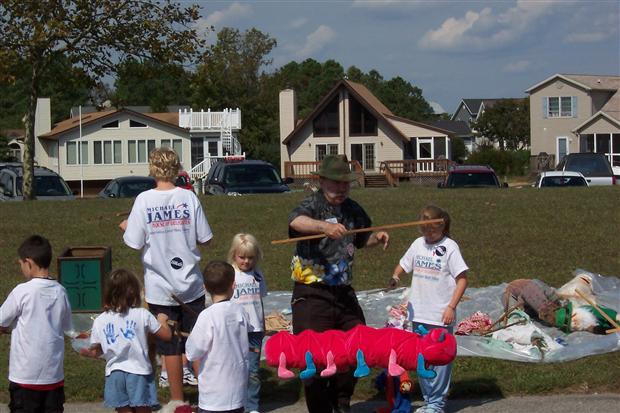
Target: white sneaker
<point>254,411</point>
<point>172,405</point>
<point>163,381</point>
<point>189,378</point>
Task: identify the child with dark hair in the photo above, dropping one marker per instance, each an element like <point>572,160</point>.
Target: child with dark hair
<point>219,342</point>
<point>36,313</point>
<point>120,335</point>
<point>439,279</point>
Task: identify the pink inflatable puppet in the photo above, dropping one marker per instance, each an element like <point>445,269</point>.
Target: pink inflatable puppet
<point>362,347</point>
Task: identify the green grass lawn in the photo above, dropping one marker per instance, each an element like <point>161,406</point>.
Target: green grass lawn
<point>503,234</point>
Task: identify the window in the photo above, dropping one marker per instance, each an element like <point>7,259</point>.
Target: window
<point>322,150</point>
<point>107,152</point>
<point>175,144</point>
<point>110,125</point>
<point>72,155</point>
<point>327,122</point>
<point>560,107</point>
<point>138,150</point>
<point>136,124</point>
<point>361,122</point>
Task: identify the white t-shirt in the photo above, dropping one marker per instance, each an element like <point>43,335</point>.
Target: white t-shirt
<point>250,288</point>
<point>434,269</point>
<point>123,339</point>
<point>219,341</point>
<point>39,313</point>
<point>167,225</point>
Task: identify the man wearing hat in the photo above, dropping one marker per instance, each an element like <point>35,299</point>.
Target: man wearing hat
<point>323,298</point>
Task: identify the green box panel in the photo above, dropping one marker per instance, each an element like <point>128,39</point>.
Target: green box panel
<point>82,278</point>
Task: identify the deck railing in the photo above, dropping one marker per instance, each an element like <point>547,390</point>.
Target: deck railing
<point>419,167</point>
<point>207,120</point>
<point>303,170</point>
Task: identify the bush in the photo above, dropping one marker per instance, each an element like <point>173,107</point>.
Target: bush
<point>509,163</point>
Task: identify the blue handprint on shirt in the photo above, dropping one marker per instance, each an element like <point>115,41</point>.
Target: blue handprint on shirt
<point>130,329</point>
<point>108,331</point>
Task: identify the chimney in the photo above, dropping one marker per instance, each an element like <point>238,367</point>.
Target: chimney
<point>42,117</point>
<point>288,112</point>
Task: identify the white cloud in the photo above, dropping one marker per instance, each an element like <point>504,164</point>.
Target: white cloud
<point>315,41</point>
<point>436,107</point>
<point>591,37</point>
<point>485,29</point>
<point>235,11</point>
<point>297,23</point>
<point>517,67</point>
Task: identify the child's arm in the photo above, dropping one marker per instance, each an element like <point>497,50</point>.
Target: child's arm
<point>449,314</point>
<point>396,274</point>
<point>93,351</point>
<point>164,332</point>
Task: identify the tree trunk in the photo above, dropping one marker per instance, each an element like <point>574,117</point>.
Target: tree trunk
<point>28,162</point>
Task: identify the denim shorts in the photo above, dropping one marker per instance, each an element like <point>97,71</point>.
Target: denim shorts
<point>124,389</point>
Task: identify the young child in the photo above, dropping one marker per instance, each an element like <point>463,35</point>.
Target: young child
<point>439,279</point>
<point>219,342</point>
<point>120,335</point>
<point>250,288</point>
<point>167,223</point>
<point>36,313</point>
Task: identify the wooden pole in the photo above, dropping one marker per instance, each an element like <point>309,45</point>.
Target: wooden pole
<point>355,231</point>
<point>601,312</point>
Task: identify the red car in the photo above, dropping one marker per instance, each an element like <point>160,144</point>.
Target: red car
<point>184,181</point>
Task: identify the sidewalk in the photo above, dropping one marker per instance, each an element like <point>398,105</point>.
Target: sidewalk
<point>564,403</point>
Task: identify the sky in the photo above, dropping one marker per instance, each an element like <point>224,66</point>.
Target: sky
<point>450,49</point>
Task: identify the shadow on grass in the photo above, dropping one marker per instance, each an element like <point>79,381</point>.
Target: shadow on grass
<point>472,393</point>
<point>278,392</point>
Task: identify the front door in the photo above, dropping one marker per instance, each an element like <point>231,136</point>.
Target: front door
<point>425,153</point>
<point>561,149</point>
<point>197,150</point>
<point>364,153</point>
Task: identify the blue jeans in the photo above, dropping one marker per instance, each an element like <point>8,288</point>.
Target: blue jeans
<point>255,340</point>
<point>435,391</point>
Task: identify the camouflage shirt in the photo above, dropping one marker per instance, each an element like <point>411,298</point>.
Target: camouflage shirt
<point>330,260</point>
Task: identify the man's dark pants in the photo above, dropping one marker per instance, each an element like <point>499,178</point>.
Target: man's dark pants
<point>321,307</point>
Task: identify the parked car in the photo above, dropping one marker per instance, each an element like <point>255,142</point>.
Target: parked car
<point>471,176</point>
<point>47,184</point>
<point>559,179</point>
<point>593,166</point>
<point>244,177</point>
<point>127,187</point>
<point>184,181</point>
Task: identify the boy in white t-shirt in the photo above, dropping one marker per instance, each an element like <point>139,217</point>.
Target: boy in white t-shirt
<point>250,288</point>
<point>219,342</point>
<point>36,314</point>
<point>439,279</point>
<point>167,223</point>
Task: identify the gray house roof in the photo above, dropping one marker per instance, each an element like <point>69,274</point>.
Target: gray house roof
<point>457,127</point>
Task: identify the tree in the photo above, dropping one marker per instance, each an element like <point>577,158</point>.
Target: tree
<point>94,35</point>
<point>507,122</point>
<point>231,75</point>
<point>152,83</point>
<point>65,84</point>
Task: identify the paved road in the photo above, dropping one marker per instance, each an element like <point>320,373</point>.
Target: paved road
<point>599,403</point>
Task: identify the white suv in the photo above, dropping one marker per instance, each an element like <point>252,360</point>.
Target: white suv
<point>593,166</point>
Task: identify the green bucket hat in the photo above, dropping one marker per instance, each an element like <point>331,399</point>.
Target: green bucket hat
<point>336,168</point>
<point>563,317</point>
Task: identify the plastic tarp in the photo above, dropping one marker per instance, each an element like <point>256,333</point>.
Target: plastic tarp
<point>560,346</point>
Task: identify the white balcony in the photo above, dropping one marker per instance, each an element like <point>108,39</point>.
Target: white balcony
<point>210,121</point>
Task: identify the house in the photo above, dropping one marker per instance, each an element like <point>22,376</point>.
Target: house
<point>350,120</point>
<point>469,111</point>
<point>576,113</point>
<point>116,142</point>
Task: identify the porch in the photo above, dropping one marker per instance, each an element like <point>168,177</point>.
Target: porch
<point>420,171</point>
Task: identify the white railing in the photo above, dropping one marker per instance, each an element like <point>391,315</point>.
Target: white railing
<point>207,120</point>
<point>201,170</point>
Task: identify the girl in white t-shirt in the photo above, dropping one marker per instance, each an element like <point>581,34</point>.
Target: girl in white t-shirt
<point>250,288</point>
<point>120,336</point>
<point>439,279</point>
